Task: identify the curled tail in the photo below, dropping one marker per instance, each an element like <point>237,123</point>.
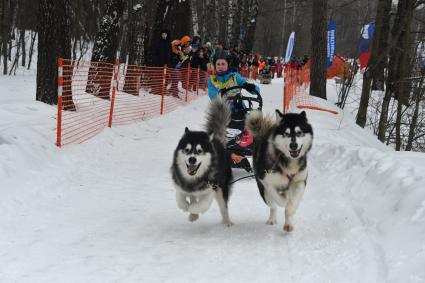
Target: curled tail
<point>257,124</point>
<point>218,118</point>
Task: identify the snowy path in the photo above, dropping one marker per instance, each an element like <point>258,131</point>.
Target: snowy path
<point>105,211</point>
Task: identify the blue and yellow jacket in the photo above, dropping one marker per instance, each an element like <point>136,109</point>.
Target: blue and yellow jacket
<point>229,79</point>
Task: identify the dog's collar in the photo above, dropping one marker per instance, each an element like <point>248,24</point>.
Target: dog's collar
<point>212,186</point>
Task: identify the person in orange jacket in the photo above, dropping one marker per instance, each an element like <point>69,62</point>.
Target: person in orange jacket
<point>261,65</point>
<point>177,47</point>
<point>180,49</point>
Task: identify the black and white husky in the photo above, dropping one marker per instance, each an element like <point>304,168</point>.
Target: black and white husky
<point>201,168</point>
<point>280,160</point>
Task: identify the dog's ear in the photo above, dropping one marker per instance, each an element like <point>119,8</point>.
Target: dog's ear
<point>279,115</point>
<point>303,115</point>
<point>186,130</point>
<point>211,136</point>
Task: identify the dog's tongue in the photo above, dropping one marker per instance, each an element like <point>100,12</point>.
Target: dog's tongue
<point>191,169</point>
<point>294,153</point>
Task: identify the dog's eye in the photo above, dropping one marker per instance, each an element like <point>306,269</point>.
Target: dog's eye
<point>186,150</point>
<point>199,151</point>
<point>286,135</point>
<point>300,134</point>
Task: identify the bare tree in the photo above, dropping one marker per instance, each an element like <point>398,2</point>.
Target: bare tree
<point>211,32</point>
<point>165,13</point>
<point>398,64</point>
<point>105,50</point>
<point>53,42</point>
<point>135,42</point>
<point>223,22</point>
<point>33,36</point>
<point>251,25</point>
<point>5,28</point>
<point>318,49</point>
<point>106,42</point>
<point>377,57</point>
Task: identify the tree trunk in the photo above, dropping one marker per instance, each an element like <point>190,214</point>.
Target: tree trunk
<point>235,26</point>
<point>398,63</point>
<point>4,32</point>
<point>223,24</point>
<point>378,71</point>
<point>33,36</point>
<point>136,43</point>
<point>182,19</point>
<point>24,53</point>
<point>402,86</point>
<point>16,59</point>
<point>412,130</point>
<point>318,49</point>
<point>398,126</point>
<point>251,26</point>
<point>377,50</point>
<point>383,123</point>
<point>74,49</point>
<point>164,19</point>
<point>195,18</point>
<point>211,21</point>
<point>105,50</point>
<point>53,42</point>
<point>282,38</point>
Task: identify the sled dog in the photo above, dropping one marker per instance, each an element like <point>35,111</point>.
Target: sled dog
<point>201,168</point>
<point>280,160</point>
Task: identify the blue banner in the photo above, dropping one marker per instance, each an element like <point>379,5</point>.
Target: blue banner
<point>331,43</point>
<point>289,47</point>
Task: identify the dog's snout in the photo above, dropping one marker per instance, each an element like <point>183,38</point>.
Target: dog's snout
<point>293,146</point>
<point>192,160</point>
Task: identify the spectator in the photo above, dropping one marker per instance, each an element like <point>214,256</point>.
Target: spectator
<point>163,49</point>
<point>180,56</point>
<point>177,47</point>
<point>198,61</point>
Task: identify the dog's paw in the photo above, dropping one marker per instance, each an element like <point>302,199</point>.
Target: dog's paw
<point>227,223</point>
<point>288,227</point>
<point>271,222</point>
<point>193,217</point>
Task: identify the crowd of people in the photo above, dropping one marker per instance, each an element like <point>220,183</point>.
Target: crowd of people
<point>179,53</point>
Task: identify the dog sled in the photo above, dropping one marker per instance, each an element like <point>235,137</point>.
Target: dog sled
<point>239,141</point>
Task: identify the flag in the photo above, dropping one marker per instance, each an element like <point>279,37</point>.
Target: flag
<point>365,45</point>
<point>331,43</point>
<point>289,47</point>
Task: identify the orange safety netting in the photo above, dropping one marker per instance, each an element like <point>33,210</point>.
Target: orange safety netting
<point>340,68</point>
<point>295,90</point>
<point>94,95</point>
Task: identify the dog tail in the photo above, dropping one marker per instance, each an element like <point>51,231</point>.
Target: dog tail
<point>218,118</point>
<point>257,124</point>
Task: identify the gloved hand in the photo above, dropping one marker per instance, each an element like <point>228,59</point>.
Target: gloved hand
<point>249,87</point>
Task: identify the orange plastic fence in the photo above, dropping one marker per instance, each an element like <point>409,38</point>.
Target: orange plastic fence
<point>94,95</point>
<point>295,91</point>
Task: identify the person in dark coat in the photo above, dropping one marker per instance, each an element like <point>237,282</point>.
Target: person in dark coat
<point>199,60</point>
<point>163,49</point>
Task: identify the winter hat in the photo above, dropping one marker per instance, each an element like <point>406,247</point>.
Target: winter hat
<point>185,40</point>
<point>208,45</point>
<point>221,55</point>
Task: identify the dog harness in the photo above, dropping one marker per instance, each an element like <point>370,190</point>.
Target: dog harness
<point>273,170</point>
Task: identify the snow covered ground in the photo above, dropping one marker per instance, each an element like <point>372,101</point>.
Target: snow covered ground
<point>105,211</point>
